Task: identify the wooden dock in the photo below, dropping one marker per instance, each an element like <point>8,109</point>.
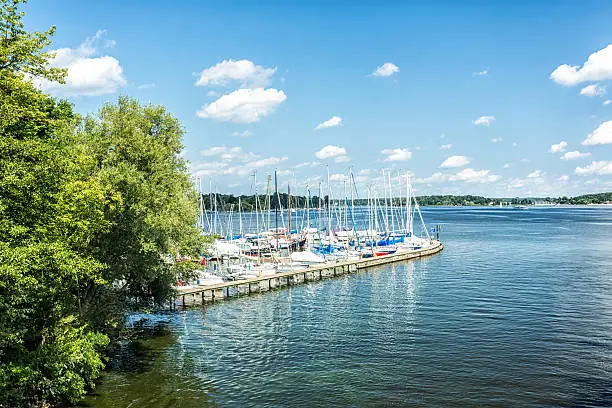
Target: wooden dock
<point>226,290</point>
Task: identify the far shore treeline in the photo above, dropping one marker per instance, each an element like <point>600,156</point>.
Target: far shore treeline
<point>229,202</point>
<point>91,210</point>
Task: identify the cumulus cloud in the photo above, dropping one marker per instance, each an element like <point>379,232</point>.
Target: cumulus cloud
<point>337,177</point>
<point>269,161</point>
<point>564,178</point>
<point>397,154</point>
<point>484,72</point>
<point>559,147</point>
<point>575,155</point>
<point>598,67</point>
<point>474,176</point>
<point>601,135</point>
<point>446,146</point>
<point>243,105</point>
<point>386,69</point>
<point>593,90</point>
<point>536,174</point>
<point>342,159</point>
<point>331,122</point>
<point>497,139</point>
<point>468,175</point>
<point>597,167</point>
<point>231,161</point>
<point>245,133</point>
<point>606,102</point>
<point>455,161</point>
<point>307,164</point>
<point>330,151</point>
<point>484,120</point>
<point>89,74</point>
<point>245,72</point>
<point>228,153</point>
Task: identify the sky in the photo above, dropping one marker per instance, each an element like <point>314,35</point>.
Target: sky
<point>502,99</point>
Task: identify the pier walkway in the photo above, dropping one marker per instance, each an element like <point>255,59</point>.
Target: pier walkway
<point>213,293</point>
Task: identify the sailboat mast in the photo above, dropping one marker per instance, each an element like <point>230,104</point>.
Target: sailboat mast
<point>391,203</point>
<point>328,205</point>
<point>289,208</point>
<point>277,206</point>
<point>410,225</point>
<point>256,201</point>
<point>240,215</point>
<point>320,208</point>
<point>307,206</point>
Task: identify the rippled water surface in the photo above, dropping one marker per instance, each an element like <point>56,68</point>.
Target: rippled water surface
<point>516,311</point>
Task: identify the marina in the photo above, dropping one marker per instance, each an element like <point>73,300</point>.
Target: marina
<point>202,294</point>
<point>324,237</point>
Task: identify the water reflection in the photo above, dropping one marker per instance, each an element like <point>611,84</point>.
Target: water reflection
<point>515,312</point>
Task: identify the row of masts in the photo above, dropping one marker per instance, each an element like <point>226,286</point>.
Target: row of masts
<point>383,212</point>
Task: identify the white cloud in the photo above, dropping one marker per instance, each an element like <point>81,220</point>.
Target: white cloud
<point>228,153</point>
<point>484,120</point>
<point>507,165</point>
<point>231,161</point>
<point>307,164</point>
<point>598,67</point>
<point>606,102</point>
<point>337,177</point>
<point>468,175</point>
<point>514,144</point>
<point>330,151</point>
<point>245,133</point>
<point>243,71</point>
<point>564,178</point>
<point>484,72</point>
<point>212,93</point>
<point>575,155</point>
<point>593,90</point>
<point>497,139</point>
<point>524,160</point>
<point>455,161</point>
<point>446,146</point>
<point>270,161</point>
<point>559,147</point>
<point>397,154</point>
<point>536,174</point>
<point>474,176</point>
<point>342,159</point>
<point>386,69</point>
<point>601,135</point>
<point>597,167</point>
<point>243,105</point>
<point>88,74</point>
<point>147,86</point>
<point>331,122</point>
<point>437,177</point>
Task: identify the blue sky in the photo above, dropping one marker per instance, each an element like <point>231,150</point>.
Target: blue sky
<point>471,97</point>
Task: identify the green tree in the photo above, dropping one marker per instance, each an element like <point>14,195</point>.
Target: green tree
<point>90,209</point>
<point>136,150</point>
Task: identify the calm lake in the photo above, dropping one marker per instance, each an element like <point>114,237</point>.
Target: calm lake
<point>516,311</point>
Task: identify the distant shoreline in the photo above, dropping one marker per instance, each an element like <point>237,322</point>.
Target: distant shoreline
<point>230,202</point>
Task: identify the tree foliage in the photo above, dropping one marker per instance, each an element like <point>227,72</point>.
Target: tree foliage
<point>90,210</point>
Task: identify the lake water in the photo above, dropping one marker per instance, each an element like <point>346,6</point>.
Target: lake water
<point>516,311</point>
